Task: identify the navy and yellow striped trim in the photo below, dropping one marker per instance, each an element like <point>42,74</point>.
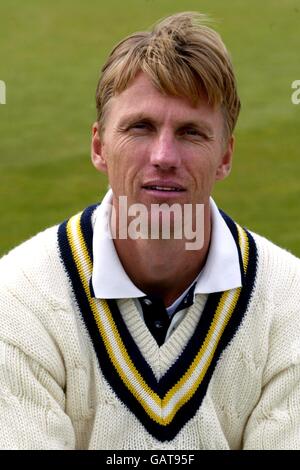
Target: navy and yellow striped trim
<point>162,406</point>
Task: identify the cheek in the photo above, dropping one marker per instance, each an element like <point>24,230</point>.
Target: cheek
<point>202,169</point>
<point>131,155</point>
<point>112,155</point>
<point>124,166</point>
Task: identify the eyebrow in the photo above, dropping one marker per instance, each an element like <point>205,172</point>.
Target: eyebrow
<point>135,117</point>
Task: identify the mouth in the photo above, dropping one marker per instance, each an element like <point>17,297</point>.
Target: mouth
<point>167,188</point>
<point>163,188</point>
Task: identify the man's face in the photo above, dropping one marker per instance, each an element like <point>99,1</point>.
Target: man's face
<point>158,148</point>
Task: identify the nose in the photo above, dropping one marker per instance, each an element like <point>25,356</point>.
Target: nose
<point>165,152</point>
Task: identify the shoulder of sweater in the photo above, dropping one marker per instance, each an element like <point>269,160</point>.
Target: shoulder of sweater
<point>278,274</point>
<point>35,266</point>
<point>270,250</point>
<point>32,301</point>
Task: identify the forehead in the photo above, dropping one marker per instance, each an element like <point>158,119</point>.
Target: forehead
<point>142,98</point>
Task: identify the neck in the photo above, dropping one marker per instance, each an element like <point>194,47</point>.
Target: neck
<point>163,267</point>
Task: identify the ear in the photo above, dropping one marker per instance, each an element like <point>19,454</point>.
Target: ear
<point>97,153</point>
<point>224,167</point>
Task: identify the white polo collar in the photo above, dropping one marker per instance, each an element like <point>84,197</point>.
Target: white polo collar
<point>109,280</point>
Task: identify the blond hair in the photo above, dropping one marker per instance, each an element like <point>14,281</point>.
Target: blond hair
<point>182,56</point>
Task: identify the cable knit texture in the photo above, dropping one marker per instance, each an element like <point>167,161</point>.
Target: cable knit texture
<point>54,396</point>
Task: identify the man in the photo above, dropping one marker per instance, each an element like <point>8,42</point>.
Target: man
<point>115,339</point>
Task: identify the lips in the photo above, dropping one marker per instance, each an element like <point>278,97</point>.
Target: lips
<point>164,186</point>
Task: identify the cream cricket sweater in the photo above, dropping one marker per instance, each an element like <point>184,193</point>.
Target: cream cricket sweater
<point>81,373</point>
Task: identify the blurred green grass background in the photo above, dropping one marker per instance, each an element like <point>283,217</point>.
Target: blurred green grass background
<point>50,56</point>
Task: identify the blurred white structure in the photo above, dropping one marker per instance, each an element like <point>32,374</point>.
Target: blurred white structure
<point>2,92</point>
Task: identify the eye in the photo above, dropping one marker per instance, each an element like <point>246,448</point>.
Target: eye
<point>140,126</point>
<point>193,133</point>
<point>190,132</point>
